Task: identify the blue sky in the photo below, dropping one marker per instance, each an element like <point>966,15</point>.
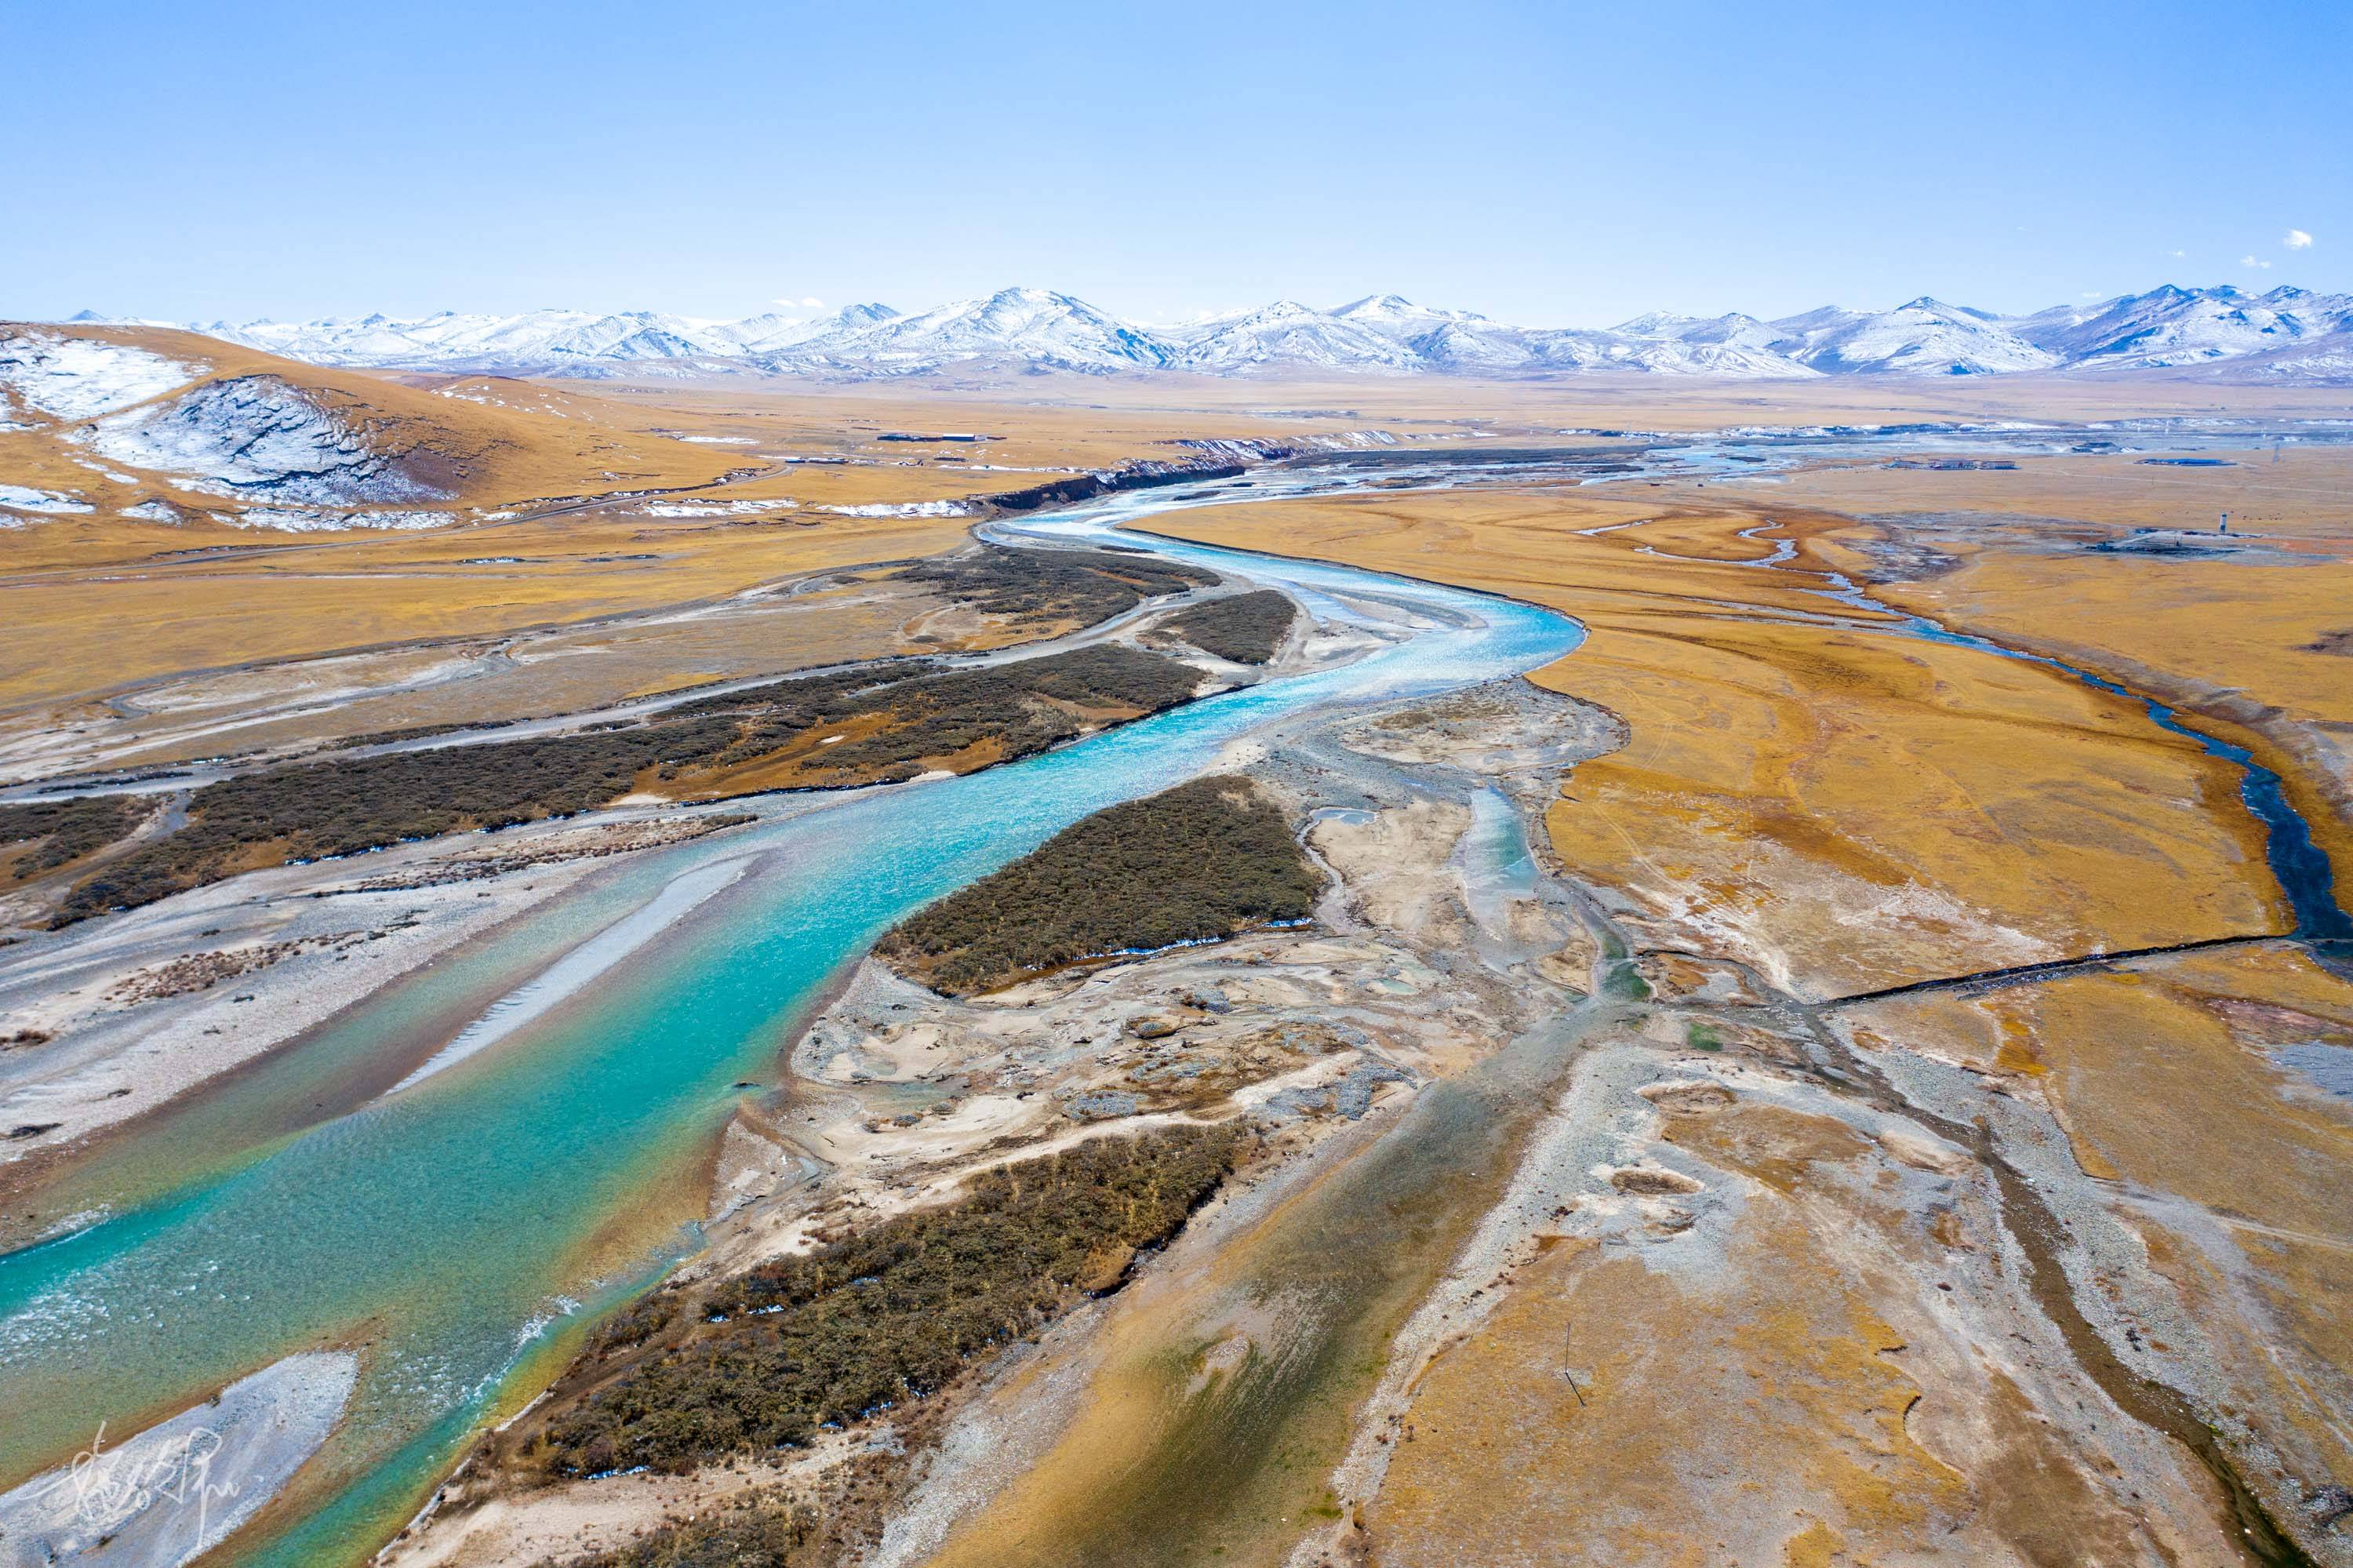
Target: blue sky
<point>1548,163</point>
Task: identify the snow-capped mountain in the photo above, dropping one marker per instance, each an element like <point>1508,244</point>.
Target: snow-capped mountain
<point>2288,333</point>
<point>769,332</point>
<point>1031,327</point>
<point>1727,346</point>
<point>2172,326</point>
<point>1397,316</point>
<point>1926,338</point>
<point>1290,336</point>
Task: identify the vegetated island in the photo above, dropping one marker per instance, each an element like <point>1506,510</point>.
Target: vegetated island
<point>1198,863</point>
<point>1044,588</point>
<point>871,1321</point>
<point>1247,628</point>
<point>863,726</point>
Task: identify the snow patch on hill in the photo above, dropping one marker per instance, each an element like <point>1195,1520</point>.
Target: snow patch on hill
<point>23,498</point>
<point>257,437</point>
<point>81,378</point>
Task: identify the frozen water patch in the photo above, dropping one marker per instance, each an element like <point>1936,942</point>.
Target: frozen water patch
<point>80,377</point>
<point>719,440</point>
<point>254,436</point>
<point>155,512</point>
<point>23,498</point>
<point>170,1494</point>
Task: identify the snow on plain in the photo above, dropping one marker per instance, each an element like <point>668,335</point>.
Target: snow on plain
<point>715,508</point>
<point>305,520</point>
<point>81,378</point>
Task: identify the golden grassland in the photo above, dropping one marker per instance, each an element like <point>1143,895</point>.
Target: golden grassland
<point>98,604</point>
<point>1619,1405</point>
<point>74,633</point>
<point>1789,786</point>
<point>2258,645</point>
<point>1848,810</point>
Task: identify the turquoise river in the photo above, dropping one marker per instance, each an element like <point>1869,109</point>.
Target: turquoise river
<point>460,1233</point>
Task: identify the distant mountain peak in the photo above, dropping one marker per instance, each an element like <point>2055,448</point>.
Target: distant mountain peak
<point>1022,327</point>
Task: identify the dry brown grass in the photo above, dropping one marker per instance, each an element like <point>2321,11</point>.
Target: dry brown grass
<point>2249,643</point>
<point>138,614</point>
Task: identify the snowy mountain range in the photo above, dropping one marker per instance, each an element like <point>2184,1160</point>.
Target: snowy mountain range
<point>2288,333</point>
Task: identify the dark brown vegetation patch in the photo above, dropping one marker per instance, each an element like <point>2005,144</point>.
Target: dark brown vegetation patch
<point>1246,627</point>
<point>884,1317</point>
<point>1083,586</point>
<point>1194,864</point>
<point>912,712</point>
<point>65,831</point>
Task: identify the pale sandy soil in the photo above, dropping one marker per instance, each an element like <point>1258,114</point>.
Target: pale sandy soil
<point>117,1048</point>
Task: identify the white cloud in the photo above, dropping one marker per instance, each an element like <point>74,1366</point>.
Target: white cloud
<point>2091,294</point>
<point>800,304</point>
<point>2297,239</point>
<point>2252,261</point>
<point>814,304</point>
<point>2177,255</point>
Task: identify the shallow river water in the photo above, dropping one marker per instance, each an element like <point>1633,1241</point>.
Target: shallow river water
<point>450,1231</point>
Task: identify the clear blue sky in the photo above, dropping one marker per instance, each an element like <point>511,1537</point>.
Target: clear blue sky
<point>1561,163</point>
